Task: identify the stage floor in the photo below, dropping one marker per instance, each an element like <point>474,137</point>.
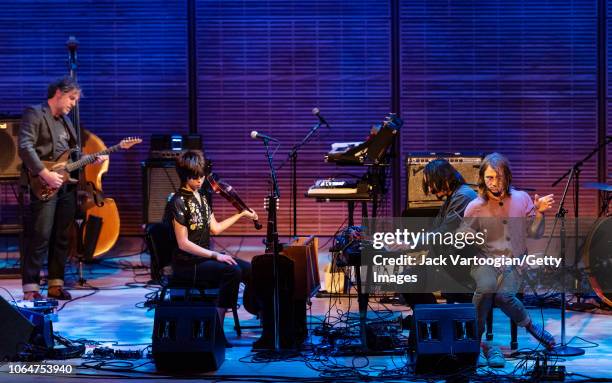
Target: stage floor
<point>114,316</point>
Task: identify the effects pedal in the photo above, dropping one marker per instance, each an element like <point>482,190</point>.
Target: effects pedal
<point>546,373</point>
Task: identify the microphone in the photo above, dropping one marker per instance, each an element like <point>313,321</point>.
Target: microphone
<point>255,135</point>
<point>317,112</point>
<point>72,43</point>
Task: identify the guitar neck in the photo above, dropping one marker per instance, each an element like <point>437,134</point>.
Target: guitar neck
<point>90,158</point>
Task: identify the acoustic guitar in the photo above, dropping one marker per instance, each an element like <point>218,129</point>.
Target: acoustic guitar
<point>64,166</point>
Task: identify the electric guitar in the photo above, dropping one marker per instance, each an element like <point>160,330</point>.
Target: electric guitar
<point>64,166</point>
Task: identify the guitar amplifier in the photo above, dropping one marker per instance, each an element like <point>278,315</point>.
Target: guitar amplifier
<point>160,181</point>
<point>467,164</point>
<point>170,146</point>
<point>10,163</point>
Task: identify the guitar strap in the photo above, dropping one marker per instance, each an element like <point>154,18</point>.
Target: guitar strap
<point>67,123</point>
<point>72,141</point>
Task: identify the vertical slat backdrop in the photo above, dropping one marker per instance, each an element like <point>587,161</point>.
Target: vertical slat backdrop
<point>608,93</point>
<point>263,65</point>
<point>132,66</point>
<point>515,77</point>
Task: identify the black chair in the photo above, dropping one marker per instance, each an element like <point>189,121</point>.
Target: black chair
<point>161,245</point>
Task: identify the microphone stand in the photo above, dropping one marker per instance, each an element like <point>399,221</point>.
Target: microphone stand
<point>275,245</point>
<point>563,349</point>
<point>575,170</point>
<point>293,156</point>
<point>573,174</point>
<point>72,45</point>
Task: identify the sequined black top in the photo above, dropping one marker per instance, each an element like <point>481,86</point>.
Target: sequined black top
<point>185,208</point>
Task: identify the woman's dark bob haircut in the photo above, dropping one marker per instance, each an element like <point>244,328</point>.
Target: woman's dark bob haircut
<point>189,165</point>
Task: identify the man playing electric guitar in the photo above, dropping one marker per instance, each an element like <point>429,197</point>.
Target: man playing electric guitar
<point>46,133</point>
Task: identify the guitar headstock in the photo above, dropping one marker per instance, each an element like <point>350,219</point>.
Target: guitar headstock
<point>128,142</point>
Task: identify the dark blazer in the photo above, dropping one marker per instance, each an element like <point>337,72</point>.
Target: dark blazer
<point>36,139</point>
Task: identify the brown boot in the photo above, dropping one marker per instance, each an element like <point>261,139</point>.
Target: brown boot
<point>32,296</point>
<point>58,292</point>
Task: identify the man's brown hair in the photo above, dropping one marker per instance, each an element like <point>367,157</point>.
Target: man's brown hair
<point>501,165</point>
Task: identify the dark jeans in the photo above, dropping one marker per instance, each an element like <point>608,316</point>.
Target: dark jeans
<point>48,237</point>
<point>211,273</point>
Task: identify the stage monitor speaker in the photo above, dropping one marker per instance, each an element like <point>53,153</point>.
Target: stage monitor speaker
<point>160,181</point>
<point>10,163</point>
<point>43,329</point>
<point>467,165</point>
<point>187,336</point>
<point>15,331</point>
<point>444,338</point>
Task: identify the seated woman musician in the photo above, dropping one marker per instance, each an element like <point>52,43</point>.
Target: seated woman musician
<point>193,222</point>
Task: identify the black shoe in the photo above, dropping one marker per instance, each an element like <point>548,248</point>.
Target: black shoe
<point>59,293</point>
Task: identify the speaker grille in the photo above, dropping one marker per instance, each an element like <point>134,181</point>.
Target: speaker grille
<point>10,163</point>
<point>160,181</point>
